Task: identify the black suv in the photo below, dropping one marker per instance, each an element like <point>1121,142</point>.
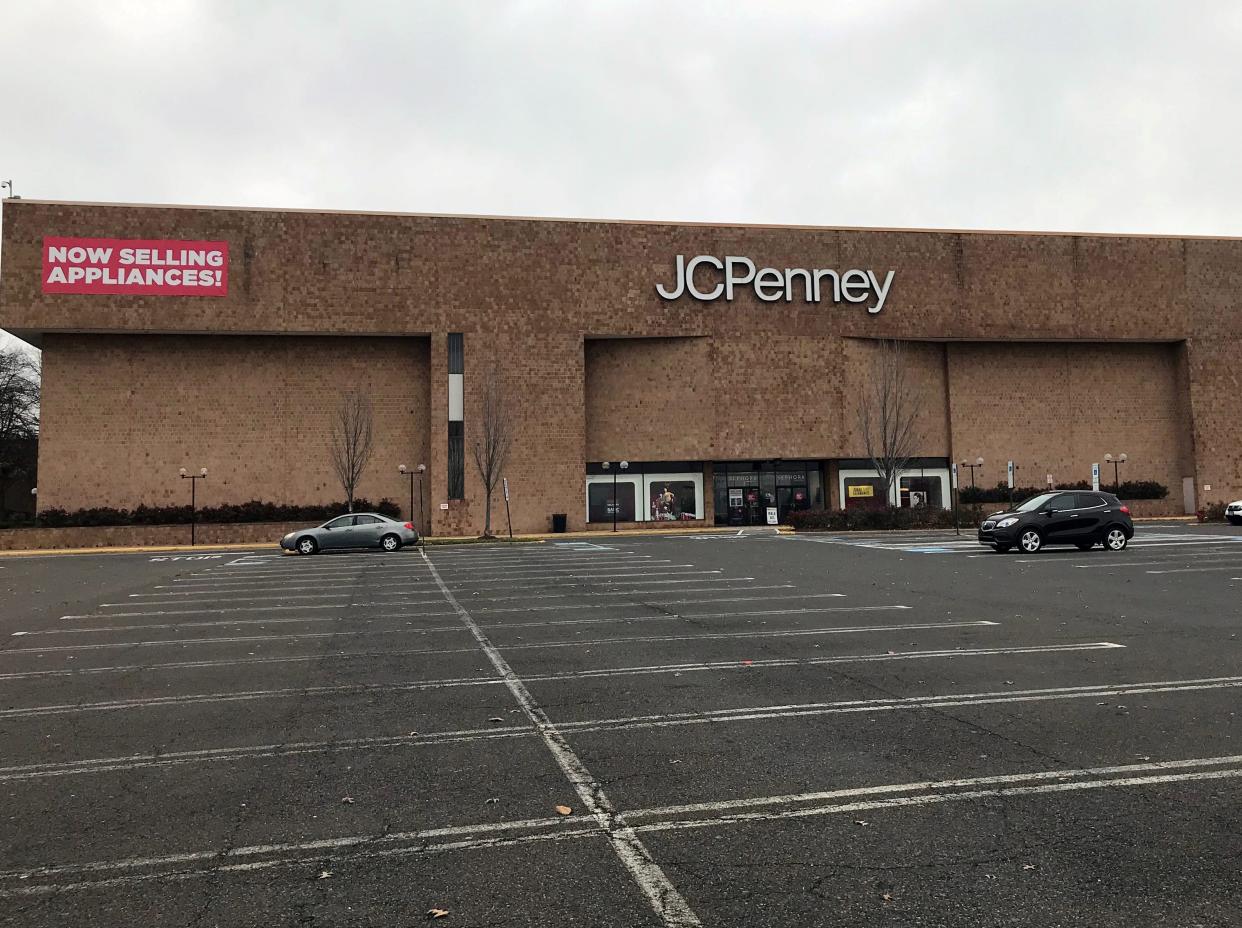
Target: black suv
<point>1079,517</point>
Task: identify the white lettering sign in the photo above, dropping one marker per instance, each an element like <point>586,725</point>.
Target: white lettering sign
<point>771,284</point>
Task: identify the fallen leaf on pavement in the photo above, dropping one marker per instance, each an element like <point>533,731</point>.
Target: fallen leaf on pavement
<point>495,718</point>
<point>861,822</point>
<point>1028,866</point>
<point>324,874</point>
<point>348,800</point>
<point>564,810</point>
<point>488,802</point>
<point>437,913</point>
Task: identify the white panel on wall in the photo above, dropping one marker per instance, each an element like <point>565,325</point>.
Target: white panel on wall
<point>456,397</point>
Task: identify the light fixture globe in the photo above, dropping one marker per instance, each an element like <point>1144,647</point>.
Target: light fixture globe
<point>182,472</point>
<point>978,462</point>
<point>422,468</point>
<point>625,465</point>
<point>1122,457</point>
<point>1108,458</point>
<point>401,468</point>
<point>203,472</point>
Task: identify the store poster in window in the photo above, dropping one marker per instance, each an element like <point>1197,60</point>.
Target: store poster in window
<point>673,501</point>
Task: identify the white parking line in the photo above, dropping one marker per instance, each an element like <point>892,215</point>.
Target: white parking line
<point>1194,570</point>
<point>263,623</point>
<point>530,578</point>
<point>661,893</point>
<point>1117,565</point>
<point>716,717</point>
<point>798,633</point>
<point>849,801</point>
<point>639,670</point>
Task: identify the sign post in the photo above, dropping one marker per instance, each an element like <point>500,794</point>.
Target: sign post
<point>1095,477</point>
<point>957,526</point>
<point>508,518</point>
<point>1011,470</point>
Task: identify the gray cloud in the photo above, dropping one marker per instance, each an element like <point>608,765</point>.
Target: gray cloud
<point>1104,116</point>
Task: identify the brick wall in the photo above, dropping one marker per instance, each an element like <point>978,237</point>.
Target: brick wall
<point>742,380</point>
<point>121,415</point>
<point>1056,409</point>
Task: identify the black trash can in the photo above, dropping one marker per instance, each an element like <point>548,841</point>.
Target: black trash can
<point>558,522</point>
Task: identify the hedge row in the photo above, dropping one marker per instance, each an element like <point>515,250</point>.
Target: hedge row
<point>1130,489</point>
<point>253,511</point>
<point>844,520</point>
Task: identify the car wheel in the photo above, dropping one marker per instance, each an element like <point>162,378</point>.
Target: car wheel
<point>1031,541</point>
<point>390,542</point>
<point>307,545</point>
<point>1234,520</point>
<point>1085,545</point>
<point>1001,549</point>
<point>1115,540</point>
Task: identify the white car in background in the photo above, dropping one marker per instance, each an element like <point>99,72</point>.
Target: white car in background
<point>1233,512</point>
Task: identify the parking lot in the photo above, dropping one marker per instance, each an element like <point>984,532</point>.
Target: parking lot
<point>749,729</point>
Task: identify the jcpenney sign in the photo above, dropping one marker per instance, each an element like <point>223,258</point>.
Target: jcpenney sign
<point>771,284</point>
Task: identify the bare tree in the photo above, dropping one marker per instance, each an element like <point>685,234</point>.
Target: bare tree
<point>19,416</point>
<point>352,441</point>
<point>491,446</point>
<point>889,408</point>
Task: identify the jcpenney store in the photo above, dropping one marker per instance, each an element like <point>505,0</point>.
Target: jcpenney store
<point>723,364</point>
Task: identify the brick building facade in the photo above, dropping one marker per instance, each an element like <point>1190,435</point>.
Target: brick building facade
<point>1046,349</point>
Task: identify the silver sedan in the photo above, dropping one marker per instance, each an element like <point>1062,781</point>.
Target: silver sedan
<point>356,530</point>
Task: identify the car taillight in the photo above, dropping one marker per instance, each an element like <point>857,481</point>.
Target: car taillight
<point>1125,509</point>
<point>410,525</point>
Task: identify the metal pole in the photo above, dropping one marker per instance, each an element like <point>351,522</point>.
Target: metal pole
<point>614,500</point>
<point>411,476</point>
<point>420,509</point>
<point>193,487</point>
<point>508,518</point>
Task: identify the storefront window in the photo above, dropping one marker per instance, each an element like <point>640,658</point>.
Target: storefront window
<point>673,500</point>
<point>921,491</point>
<point>746,490</point>
<point>865,493</point>
<point>600,503</point>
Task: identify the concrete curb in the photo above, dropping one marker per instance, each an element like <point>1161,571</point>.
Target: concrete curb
<point>266,547</point>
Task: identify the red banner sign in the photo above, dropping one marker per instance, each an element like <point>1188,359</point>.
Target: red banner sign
<point>135,266</point>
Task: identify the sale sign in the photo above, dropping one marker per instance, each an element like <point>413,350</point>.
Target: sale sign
<point>135,266</point>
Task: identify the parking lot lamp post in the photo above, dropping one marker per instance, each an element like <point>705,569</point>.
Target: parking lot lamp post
<point>978,465</point>
<point>416,472</point>
<point>1116,462</point>
<point>194,479</point>
<point>34,502</point>
<point>625,465</point>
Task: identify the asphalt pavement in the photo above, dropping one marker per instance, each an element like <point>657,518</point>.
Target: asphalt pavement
<point>718,730</point>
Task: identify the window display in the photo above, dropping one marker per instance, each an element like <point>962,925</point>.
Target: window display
<point>673,500</point>
<point>600,502</point>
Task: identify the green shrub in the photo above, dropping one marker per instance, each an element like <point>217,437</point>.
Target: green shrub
<point>861,519</point>
<point>1130,489</point>
<point>252,511</point>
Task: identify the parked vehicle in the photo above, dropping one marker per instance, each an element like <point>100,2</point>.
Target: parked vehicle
<point>1233,512</point>
<point>356,530</point>
<point>1079,518</point>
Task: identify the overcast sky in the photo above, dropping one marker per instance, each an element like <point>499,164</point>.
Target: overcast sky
<point>1093,116</point>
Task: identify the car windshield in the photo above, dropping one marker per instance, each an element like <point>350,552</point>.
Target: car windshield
<point>1034,503</point>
